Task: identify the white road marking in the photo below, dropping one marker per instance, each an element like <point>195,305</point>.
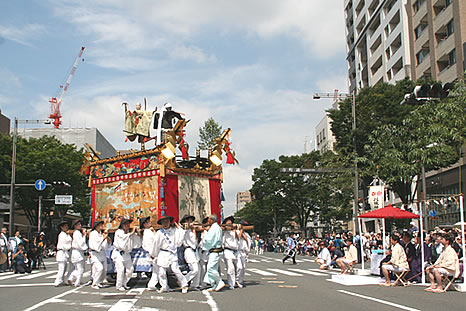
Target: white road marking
<point>261,272</point>
<point>171,299</point>
<point>308,260</point>
<point>46,301</point>
<point>36,275</point>
<point>379,300</point>
<point>135,291</point>
<point>308,272</point>
<point>8,276</point>
<point>25,285</point>
<point>285,272</point>
<point>253,260</point>
<point>123,305</point>
<point>210,300</point>
<point>246,274</point>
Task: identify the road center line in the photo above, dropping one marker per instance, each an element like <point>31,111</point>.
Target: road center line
<point>210,300</point>
<point>46,301</point>
<point>379,300</point>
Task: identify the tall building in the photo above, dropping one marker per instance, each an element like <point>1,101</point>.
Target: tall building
<point>377,42</point>
<point>324,135</point>
<point>437,31</point>
<point>4,124</point>
<point>242,198</point>
<point>77,136</point>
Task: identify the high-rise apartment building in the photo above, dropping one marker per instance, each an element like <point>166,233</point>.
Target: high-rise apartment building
<point>437,30</point>
<point>242,198</point>
<point>377,42</point>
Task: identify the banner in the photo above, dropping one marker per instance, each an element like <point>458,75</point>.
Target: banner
<point>376,197</point>
<point>130,199</point>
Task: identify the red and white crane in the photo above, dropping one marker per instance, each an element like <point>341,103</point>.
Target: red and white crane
<point>55,102</point>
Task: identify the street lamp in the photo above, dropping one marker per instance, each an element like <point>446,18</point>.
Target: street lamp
<point>13,167</point>
<point>356,175</point>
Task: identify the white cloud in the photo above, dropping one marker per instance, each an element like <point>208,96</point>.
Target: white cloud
<point>21,34</point>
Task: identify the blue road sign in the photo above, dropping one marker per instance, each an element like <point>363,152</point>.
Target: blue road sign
<point>433,213</point>
<point>40,184</point>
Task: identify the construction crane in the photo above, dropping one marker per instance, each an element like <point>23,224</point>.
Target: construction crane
<point>55,102</point>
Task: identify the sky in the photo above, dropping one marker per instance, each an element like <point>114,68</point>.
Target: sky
<point>252,65</point>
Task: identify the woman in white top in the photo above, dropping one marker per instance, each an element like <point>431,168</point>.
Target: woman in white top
<point>78,246</point>
<point>98,244</point>
<point>123,243</point>
<point>63,254</point>
<point>148,240</point>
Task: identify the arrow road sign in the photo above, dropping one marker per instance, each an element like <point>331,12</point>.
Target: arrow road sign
<point>40,184</point>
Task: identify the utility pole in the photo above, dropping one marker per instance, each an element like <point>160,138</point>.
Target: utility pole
<point>355,168</point>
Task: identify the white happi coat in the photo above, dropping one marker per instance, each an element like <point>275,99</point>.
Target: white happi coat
<point>98,245</point>
<point>63,247</point>
<point>244,245</point>
<point>148,240</point>
<point>78,246</point>
<point>230,245</point>
<point>123,244</point>
<point>166,244</point>
<point>191,246</point>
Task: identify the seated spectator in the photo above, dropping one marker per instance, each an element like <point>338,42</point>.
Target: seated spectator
<point>335,253</point>
<point>19,259</point>
<point>446,265</point>
<point>350,258</point>
<point>323,259</point>
<point>398,262</point>
<point>416,264</point>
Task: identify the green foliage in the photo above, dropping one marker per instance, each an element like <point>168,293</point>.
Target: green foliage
<point>208,133</point>
<point>279,198</point>
<point>49,159</point>
<point>430,135</point>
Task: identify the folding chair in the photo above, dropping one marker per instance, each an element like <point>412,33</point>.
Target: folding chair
<point>400,277</point>
<point>448,282</point>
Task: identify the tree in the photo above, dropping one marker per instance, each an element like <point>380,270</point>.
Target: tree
<point>51,160</point>
<point>430,136</point>
<point>208,133</point>
<point>375,107</point>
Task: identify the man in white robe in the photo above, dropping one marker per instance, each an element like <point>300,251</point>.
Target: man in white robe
<point>191,255</point>
<point>123,244</point>
<point>230,252</point>
<point>63,254</point>
<point>78,259</point>
<point>148,240</point>
<point>98,244</point>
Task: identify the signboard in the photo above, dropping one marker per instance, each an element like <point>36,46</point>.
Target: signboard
<point>40,184</point>
<point>376,197</point>
<point>63,199</point>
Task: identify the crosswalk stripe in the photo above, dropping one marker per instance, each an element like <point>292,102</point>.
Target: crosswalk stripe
<point>253,260</point>
<point>308,260</point>
<point>36,275</point>
<point>308,272</point>
<point>8,276</point>
<point>261,272</point>
<point>285,272</point>
<point>123,305</point>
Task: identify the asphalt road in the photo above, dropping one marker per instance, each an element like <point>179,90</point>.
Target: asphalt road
<point>270,285</point>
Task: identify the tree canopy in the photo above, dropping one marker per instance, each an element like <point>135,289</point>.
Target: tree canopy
<point>208,133</point>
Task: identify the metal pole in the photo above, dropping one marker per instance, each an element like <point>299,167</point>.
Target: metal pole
<point>362,244</point>
<point>421,221</point>
<point>13,179</point>
<point>356,175</point>
<point>462,238</point>
<point>39,213</point>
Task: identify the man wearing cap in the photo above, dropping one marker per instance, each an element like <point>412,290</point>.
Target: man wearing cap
<point>230,253</point>
<point>350,258</point>
<point>190,253</point>
<point>123,244</point>
<point>243,253</point>
<point>167,241</point>
<point>63,254</point>
<point>212,242</point>
<point>78,246</point>
<point>148,240</point>
<point>324,259</point>
<point>98,244</point>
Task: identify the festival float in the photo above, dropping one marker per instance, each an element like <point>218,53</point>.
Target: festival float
<point>157,182</point>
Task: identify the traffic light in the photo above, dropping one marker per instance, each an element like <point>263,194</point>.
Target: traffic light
<point>60,183</point>
<point>436,90</point>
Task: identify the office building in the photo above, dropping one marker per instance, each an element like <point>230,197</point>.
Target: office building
<point>4,124</point>
<point>242,198</point>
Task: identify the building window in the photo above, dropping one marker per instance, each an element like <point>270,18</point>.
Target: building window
<point>450,28</point>
<point>421,55</point>
<point>447,3</point>
<point>419,30</point>
<point>452,57</point>
<point>417,5</point>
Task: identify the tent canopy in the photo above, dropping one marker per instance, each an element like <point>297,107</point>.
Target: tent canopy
<point>389,212</point>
